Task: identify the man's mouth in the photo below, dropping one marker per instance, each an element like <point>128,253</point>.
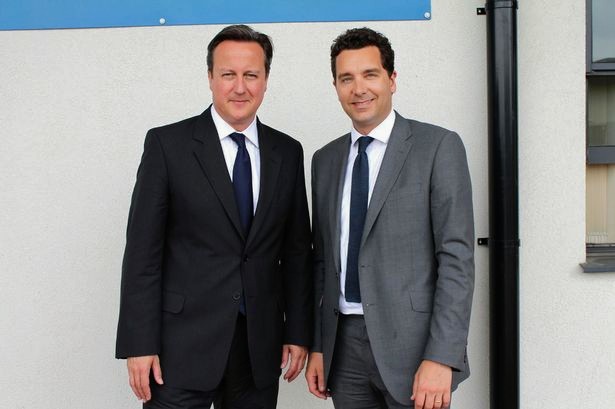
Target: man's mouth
<point>362,104</point>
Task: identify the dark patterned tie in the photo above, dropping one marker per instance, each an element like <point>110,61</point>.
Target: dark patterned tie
<point>242,185</point>
<point>358,210</point>
<point>242,182</point>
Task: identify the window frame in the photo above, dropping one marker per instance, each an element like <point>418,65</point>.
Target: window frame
<point>600,257</point>
<point>594,68</point>
<point>596,154</point>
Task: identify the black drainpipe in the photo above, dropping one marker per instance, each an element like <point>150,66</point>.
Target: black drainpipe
<point>503,203</point>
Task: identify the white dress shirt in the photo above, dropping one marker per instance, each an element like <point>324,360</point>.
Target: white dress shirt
<point>229,148</point>
<point>375,153</point>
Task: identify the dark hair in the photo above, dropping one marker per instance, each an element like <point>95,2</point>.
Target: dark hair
<point>240,32</point>
<point>357,38</point>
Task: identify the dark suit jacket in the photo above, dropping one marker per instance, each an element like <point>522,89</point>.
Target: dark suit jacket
<point>187,260</point>
<point>416,260</point>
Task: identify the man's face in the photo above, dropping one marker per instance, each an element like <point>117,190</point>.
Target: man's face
<point>238,81</point>
<point>364,87</point>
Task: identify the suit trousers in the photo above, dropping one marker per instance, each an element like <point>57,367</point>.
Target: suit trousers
<point>236,391</point>
<point>355,382</point>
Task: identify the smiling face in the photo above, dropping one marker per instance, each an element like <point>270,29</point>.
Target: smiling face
<point>238,81</point>
<point>364,87</point>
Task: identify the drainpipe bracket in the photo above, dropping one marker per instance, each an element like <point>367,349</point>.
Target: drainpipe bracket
<point>505,4</point>
<point>514,243</point>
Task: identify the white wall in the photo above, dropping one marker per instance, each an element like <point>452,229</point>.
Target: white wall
<point>75,108</point>
<point>567,320</point>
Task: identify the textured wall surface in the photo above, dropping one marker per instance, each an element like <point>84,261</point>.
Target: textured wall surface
<point>567,320</point>
<point>75,108</point>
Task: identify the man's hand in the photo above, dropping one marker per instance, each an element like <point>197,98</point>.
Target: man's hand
<point>315,376</point>
<point>295,362</point>
<point>138,375</point>
<point>432,386</point>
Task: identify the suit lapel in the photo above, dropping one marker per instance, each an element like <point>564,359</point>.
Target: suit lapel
<point>395,156</point>
<point>208,152</point>
<point>339,162</point>
<point>270,169</point>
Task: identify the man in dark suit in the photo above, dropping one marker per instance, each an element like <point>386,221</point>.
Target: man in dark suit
<point>393,246</point>
<point>216,281</point>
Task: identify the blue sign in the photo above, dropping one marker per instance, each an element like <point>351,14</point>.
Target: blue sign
<point>50,14</point>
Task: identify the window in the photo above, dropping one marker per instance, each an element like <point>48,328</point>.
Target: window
<point>601,35</point>
<point>600,196</point>
<point>600,173</point>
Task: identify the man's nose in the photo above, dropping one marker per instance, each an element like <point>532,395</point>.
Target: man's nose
<point>360,87</point>
<point>240,85</point>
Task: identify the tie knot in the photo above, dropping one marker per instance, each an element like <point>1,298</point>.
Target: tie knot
<point>239,139</point>
<point>364,141</point>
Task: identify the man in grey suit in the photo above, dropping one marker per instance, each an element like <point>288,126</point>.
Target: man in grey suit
<point>394,246</point>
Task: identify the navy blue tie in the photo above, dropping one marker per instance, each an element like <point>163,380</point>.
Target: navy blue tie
<point>242,182</point>
<point>242,185</point>
<point>358,210</point>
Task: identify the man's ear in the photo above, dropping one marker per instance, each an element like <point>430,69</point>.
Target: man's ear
<point>393,82</point>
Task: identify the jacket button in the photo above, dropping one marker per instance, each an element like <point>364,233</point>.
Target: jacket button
<point>236,296</point>
<point>245,259</point>
<point>336,311</point>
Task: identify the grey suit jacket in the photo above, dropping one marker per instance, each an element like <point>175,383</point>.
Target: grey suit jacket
<point>416,262</point>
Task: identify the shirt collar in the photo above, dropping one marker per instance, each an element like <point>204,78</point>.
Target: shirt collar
<point>381,133</point>
<point>224,129</point>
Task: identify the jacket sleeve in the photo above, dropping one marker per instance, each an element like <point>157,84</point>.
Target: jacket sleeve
<point>318,263</point>
<point>453,235</point>
<point>296,262</point>
<point>138,331</point>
